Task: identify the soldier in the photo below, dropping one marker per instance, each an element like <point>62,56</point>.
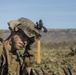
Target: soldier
<point>23,35</point>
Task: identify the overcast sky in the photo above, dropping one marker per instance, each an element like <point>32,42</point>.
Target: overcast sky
<point>54,13</point>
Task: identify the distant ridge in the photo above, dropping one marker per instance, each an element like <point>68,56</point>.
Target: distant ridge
<point>59,35</point>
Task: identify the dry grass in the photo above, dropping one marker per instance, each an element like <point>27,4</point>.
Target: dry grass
<point>53,61</point>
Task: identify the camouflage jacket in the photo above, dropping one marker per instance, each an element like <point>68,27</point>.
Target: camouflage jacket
<point>13,63</point>
<point>9,64</point>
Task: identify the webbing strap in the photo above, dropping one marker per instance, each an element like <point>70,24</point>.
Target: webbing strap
<point>7,55</point>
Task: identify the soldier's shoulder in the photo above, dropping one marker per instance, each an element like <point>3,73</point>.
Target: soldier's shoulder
<point>1,47</point>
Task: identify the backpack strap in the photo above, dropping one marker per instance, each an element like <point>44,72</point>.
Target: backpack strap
<point>6,52</point>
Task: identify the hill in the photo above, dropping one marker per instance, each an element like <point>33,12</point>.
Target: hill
<point>59,35</point>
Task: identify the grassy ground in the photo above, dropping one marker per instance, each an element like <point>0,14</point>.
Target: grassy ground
<point>53,61</point>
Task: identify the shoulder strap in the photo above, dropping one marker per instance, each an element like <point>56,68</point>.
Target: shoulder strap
<point>2,52</point>
<point>6,53</point>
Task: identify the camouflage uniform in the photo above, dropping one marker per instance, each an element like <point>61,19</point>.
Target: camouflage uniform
<point>13,63</point>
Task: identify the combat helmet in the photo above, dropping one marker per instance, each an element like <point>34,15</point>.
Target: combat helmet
<point>26,25</point>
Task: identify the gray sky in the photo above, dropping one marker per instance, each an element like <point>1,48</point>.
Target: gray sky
<point>54,13</point>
